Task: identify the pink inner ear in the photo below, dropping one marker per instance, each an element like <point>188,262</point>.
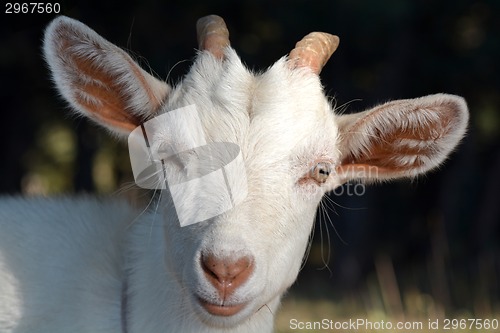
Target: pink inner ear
<point>104,81</point>
<point>101,95</point>
<point>403,144</point>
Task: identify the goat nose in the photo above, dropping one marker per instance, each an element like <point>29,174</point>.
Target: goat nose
<point>226,274</point>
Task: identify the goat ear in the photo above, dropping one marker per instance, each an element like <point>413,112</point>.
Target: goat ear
<point>98,79</point>
<point>401,138</point>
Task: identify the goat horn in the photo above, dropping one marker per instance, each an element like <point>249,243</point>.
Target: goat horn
<point>213,35</point>
<point>313,51</point>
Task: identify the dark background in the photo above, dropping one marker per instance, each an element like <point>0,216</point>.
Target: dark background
<point>437,235</point>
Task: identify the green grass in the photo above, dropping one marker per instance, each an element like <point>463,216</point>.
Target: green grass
<point>423,310</point>
<point>416,298</point>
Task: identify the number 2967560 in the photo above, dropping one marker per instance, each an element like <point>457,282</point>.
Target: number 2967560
<point>32,8</point>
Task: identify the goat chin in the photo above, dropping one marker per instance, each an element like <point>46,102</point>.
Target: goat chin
<point>242,159</point>
<point>80,267</point>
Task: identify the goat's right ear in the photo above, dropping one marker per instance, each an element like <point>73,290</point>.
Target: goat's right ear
<point>98,79</point>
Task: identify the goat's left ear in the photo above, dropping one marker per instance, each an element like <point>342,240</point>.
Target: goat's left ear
<point>401,138</point>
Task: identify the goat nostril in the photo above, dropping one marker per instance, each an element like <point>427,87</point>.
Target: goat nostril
<point>226,274</point>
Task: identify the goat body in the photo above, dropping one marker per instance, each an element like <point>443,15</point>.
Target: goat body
<point>99,265</point>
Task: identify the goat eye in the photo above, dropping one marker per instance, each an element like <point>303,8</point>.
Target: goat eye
<point>320,172</point>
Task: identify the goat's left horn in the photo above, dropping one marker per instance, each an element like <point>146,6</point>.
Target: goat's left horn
<point>313,51</point>
<point>213,35</point>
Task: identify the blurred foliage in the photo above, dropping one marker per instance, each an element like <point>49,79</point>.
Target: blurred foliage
<point>442,235</point>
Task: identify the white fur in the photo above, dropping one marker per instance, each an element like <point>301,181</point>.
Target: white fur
<point>65,262</point>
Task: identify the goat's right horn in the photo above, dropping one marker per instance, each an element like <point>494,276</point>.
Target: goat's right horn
<point>313,51</point>
<point>213,35</point>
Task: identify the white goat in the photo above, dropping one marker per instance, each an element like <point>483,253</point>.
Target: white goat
<point>94,265</point>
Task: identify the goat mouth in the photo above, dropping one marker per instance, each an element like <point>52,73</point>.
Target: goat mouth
<point>223,310</point>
